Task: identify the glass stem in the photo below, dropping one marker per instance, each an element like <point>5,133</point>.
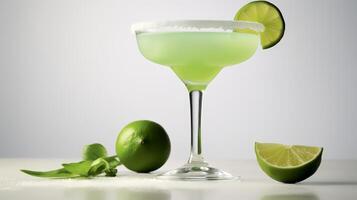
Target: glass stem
<point>196,145</point>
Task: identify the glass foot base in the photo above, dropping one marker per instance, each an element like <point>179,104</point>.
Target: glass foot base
<point>196,172</point>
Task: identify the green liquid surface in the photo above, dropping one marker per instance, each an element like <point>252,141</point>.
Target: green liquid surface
<point>197,57</point>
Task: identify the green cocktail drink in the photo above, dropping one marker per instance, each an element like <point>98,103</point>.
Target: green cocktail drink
<point>197,57</point>
<point>197,51</point>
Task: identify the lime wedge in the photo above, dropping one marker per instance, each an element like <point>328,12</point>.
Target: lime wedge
<point>267,14</point>
<point>288,163</point>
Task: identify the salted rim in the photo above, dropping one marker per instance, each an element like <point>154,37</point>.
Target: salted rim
<point>195,26</point>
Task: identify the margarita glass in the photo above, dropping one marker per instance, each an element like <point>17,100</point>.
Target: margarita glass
<point>197,50</point>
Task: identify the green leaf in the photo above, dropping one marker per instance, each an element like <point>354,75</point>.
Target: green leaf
<point>98,166</point>
<point>58,173</point>
<point>80,168</point>
<point>111,172</point>
<point>95,162</point>
<point>113,161</point>
<point>94,151</point>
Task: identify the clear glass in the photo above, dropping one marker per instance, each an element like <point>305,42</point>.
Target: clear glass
<point>197,50</point>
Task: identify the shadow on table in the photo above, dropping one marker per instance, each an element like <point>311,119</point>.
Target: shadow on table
<point>330,183</point>
<point>142,194</point>
<point>86,193</point>
<point>117,194</point>
<point>306,196</point>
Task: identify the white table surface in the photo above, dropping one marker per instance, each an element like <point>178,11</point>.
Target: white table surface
<point>334,180</point>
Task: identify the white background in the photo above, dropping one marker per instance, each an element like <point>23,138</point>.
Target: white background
<point>71,74</point>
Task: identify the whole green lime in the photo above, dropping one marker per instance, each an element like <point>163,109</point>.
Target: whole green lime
<point>143,146</point>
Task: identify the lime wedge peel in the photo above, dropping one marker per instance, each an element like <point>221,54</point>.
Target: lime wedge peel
<point>288,163</point>
<point>267,14</point>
